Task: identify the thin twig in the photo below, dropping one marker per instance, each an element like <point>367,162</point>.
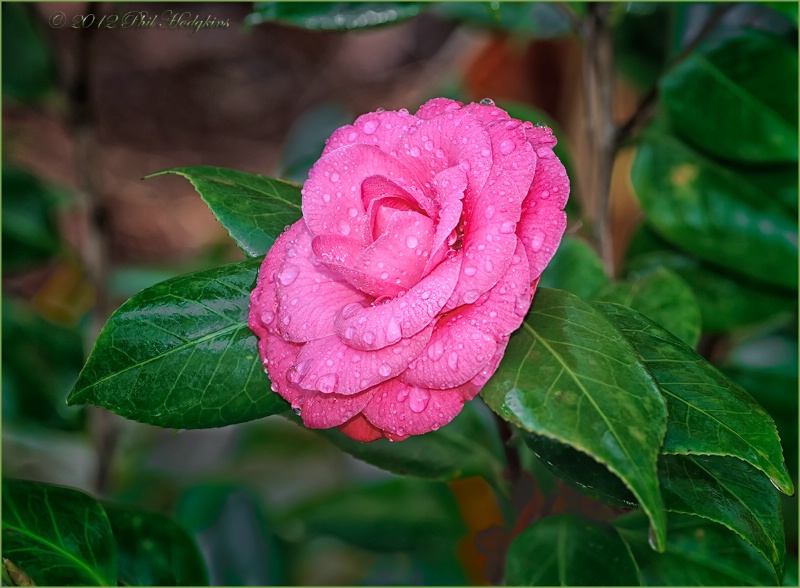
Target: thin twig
<point>646,107</point>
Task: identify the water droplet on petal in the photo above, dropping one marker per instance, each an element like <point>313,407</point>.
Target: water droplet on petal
<point>471,296</point>
<point>353,212</point>
<point>267,317</point>
<point>326,197</point>
<point>487,102</point>
<point>436,350</point>
<point>344,228</point>
<point>351,309</point>
<point>418,399</point>
<point>489,212</point>
<point>352,136</point>
<point>370,126</point>
<point>544,152</point>
<point>369,337</point>
<point>414,151</point>
<point>327,383</point>
<point>452,360</point>
<point>393,333</point>
<point>403,394</point>
<point>537,241</point>
<point>507,227</point>
<point>411,241</point>
<point>288,274</point>
<point>507,147</point>
<point>544,194</point>
<point>470,271</point>
<point>385,276</point>
<point>334,177</point>
<point>541,125</point>
<point>486,152</point>
<point>489,267</point>
<point>297,410</point>
<point>385,370</point>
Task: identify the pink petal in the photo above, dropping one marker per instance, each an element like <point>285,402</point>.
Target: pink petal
<point>437,107</point>
<point>486,114</point>
<point>543,220</point>
<point>375,327</point>
<point>278,357</point>
<point>360,429</point>
<point>513,156</point>
<point>449,187</point>
<point>381,129</point>
<point>376,188</point>
<point>456,353</point>
<point>488,371</point>
<point>323,411</point>
<point>332,203</point>
<point>331,366</point>
<point>309,295</point>
<point>409,410</point>
<point>341,255</point>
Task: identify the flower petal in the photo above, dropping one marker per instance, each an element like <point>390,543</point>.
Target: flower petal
<point>323,411</point>
<point>375,327</point>
<point>409,410</point>
<point>381,129</point>
<point>331,366</point>
<point>360,429</point>
<point>309,295</point>
<point>437,107</point>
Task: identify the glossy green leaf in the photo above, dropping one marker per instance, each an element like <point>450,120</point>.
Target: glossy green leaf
<point>180,354</point>
<point>253,209</point>
<point>568,374</point>
<point>334,15</point>
<point>153,550</point>
<point>778,182</point>
<point>575,268</point>
<point>580,471</point>
<point>463,448</point>
<point>58,536</point>
<point>730,492</point>
<point>396,515</point>
<point>567,550</point>
<point>708,413</point>
<point>699,553</point>
<point>726,301</point>
<point>664,298</point>
<point>714,213</point>
<point>237,541</point>
<point>528,19</point>
<point>29,228</point>
<point>643,34</point>
<point>737,99</point>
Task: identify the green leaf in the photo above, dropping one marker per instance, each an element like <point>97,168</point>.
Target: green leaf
<point>153,550</point>
<point>642,39</point>
<point>714,213</point>
<point>569,375</point>
<point>787,9</point>
<point>28,67</point>
<point>737,99</point>
<point>525,19</point>
<point>463,448</point>
<point>730,492</point>
<point>229,524</point>
<point>29,230</point>
<point>708,413</point>
<point>179,354</point>
<point>567,550</point>
<point>253,209</point>
<point>59,536</point>
<point>664,298</point>
<point>575,268</point>
<point>580,471</point>
<point>395,515</point>
<point>778,182</point>
<point>726,301</point>
<point>334,15</point>
<point>699,553</point>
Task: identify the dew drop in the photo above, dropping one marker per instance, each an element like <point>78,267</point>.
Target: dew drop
<point>414,151</point>
<point>537,241</point>
<point>486,152</point>
<point>489,212</point>
<point>506,147</point>
<point>385,370</point>
<point>411,241</point>
<point>425,295</point>
<point>288,274</point>
<point>370,126</point>
<point>334,177</point>
<point>544,195</point>
<point>267,317</point>
<point>326,197</point>
<point>418,399</point>
<point>436,350</point>
<point>541,125</point>
<point>385,276</point>
<point>369,337</point>
<point>652,539</point>
<point>344,228</point>
<point>393,333</point>
<point>507,227</point>
<point>327,383</point>
<point>403,394</point>
<point>489,267</point>
<point>297,410</point>
<point>470,271</point>
<point>544,152</point>
<point>452,360</point>
<point>353,212</point>
<point>471,296</point>
<point>487,102</point>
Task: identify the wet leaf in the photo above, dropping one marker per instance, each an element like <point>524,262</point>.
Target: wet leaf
<point>59,536</point>
<point>568,374</point>
<point>179,354</point>
<point>575,268</point>
<point>253,209</point>
<point>334,15</point>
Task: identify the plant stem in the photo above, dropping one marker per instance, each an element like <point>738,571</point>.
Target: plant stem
<point>598,87</point>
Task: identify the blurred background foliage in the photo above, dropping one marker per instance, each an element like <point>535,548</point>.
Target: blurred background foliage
<point>704,186</point>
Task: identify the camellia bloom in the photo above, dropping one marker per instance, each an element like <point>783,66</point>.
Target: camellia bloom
<point>390,303</point>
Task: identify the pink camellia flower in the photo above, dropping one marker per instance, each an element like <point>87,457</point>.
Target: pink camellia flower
<point>390,303</point>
